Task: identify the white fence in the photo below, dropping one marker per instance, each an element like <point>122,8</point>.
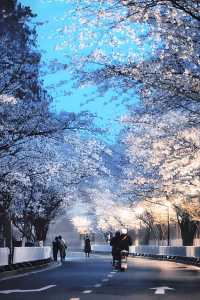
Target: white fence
<point>173,242</point>
<point>25,254</point>
<point>4,254</point>
<point>101,248</point>
<point>187,251</point>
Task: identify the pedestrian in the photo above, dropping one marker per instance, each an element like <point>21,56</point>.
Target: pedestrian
<point>55,244</point>
<point>87,246</point>
<point>62,247</point>
<point>114,243</point>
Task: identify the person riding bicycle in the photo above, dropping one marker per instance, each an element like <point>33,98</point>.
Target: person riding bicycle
<point>124,243</point>
<point>115,241</point>
<point>125,240</point>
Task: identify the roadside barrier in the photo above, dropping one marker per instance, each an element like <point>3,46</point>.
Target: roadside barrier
<point>24,257</point>
<point>184,254</point>
<point>4,255</point>
<point>26,254</point>
<point>184,251</point>
<point>187,251</point>
<point>103,248</point>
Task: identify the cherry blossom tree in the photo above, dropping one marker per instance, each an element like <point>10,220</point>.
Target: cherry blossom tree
<point>167,75</point>
<point>41,154</point>
<point>163,153</point>
<point>149,48</point>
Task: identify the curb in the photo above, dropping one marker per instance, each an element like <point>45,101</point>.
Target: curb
<point>22,268</point>
<point>193,261</point>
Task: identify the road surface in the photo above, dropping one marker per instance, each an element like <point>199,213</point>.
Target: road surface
<point>93,279</point>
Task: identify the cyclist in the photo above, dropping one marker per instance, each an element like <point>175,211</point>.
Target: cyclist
<point>115,243</point>
<point>124,243</point>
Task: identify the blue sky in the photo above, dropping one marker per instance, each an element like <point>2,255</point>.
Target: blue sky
<point>50,21</point>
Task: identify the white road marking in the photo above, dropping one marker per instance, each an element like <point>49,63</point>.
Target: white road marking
<point>161,290</point>
<point>74,299</point>
<point>27,291</point>
<point>109,275</point>
<point>87,292</point>
<point>113,272</point>
<point>97,285</point>
<point>105,280</point>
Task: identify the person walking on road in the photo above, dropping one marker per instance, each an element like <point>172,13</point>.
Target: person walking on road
<point>87,246</point>
<point>115,244</point>
<point>62,247</point>
<point>55,244</point>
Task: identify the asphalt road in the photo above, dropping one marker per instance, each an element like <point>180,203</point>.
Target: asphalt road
<point>94,279</point>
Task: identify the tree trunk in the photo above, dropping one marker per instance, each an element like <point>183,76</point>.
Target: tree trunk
<point>146,236</point>
<point>41,228</point>
<point>188,230</point>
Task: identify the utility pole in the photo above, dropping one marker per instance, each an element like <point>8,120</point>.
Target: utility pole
<point>168,222</point>
<point>168,228</point>
<point>11,240</point>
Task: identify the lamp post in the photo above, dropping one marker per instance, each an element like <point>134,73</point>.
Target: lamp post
<point>168,227</point>
<point>10,237</point>
<point>168,221</point>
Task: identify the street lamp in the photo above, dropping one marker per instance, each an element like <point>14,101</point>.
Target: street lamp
<point>168,221</point>
<point>168,227</point>
<point>11,238</point>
